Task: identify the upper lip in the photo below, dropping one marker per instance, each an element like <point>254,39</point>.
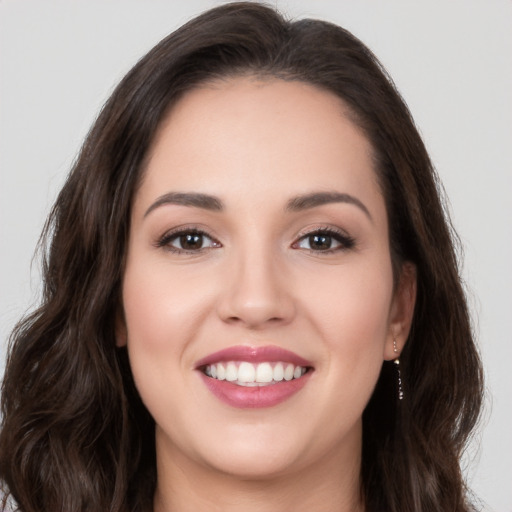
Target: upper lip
<point>250,354</point>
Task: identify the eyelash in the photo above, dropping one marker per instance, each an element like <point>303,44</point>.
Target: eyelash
<point>346,242</point>
<point>167,238</point>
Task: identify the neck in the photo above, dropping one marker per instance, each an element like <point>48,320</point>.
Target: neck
<point>331,486</point>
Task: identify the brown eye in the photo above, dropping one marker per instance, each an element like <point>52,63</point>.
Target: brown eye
<point>187,241</point>
<point>320,242</point>
<point>191,241</point>
<point>325,241</point>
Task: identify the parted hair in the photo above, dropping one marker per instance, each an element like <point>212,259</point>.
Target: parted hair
<point>75,435</point>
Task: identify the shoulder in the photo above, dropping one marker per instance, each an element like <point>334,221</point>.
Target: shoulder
<point>7,504</point>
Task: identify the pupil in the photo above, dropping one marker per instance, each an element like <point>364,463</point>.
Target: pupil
<point>191,241</point>
<point>320,242</point>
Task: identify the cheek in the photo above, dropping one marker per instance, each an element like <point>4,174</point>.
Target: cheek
<point>161,310</point>
<point>162,316</point>
<point>352,316</point>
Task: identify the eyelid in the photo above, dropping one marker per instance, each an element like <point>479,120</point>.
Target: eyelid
<point>164,240</point>
<point>345,241</point>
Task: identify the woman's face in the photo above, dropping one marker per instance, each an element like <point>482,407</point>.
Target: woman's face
<point>258,292</point>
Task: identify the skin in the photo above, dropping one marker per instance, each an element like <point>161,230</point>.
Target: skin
<point>256,281</point>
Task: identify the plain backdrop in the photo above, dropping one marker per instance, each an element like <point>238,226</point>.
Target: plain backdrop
<point>451,60</point>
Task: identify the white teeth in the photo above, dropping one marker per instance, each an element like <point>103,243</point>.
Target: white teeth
<point>288,372</point>
<point>278,372</point>
<point>221,371</point>
<point>231,372</point>
<point>247,374</point>
<point>264,373</point>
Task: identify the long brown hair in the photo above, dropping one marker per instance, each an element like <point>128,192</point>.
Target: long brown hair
<point>75,434</point>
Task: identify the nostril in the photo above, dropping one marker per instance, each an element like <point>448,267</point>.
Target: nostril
<point>254,296</point>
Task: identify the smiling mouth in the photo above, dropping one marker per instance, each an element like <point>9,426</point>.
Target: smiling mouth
<point>248,377</point>
<point>244,373</point>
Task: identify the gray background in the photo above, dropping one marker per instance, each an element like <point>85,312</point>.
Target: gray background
<point>452,61</point>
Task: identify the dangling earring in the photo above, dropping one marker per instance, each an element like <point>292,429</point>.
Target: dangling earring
<point>397,364</point>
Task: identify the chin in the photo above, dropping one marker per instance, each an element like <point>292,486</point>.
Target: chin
<point>255,452</point>
<point>256,465</point>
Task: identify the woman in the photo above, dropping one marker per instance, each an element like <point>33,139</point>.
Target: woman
<point>251,293</point>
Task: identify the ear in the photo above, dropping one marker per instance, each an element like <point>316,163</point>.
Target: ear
<point>402,311</point>
<point>121,330</point>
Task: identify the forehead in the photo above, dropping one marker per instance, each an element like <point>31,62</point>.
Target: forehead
<point>248,133</point>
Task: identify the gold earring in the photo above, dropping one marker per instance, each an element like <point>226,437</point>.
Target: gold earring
<point>397,364</point>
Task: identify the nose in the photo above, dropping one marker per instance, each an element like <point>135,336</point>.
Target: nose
<point>256,292</point>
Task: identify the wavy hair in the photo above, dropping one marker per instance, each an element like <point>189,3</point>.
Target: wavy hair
<point>75,435</point>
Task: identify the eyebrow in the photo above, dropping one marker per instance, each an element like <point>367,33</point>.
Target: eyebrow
<point>296,204</point>
<point>304,202</point>
<point>193,199</point>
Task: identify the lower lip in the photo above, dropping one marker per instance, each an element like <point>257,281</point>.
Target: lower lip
<point>254,397</point>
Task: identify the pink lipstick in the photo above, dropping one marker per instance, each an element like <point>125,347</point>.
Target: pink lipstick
<point>249,377</point>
